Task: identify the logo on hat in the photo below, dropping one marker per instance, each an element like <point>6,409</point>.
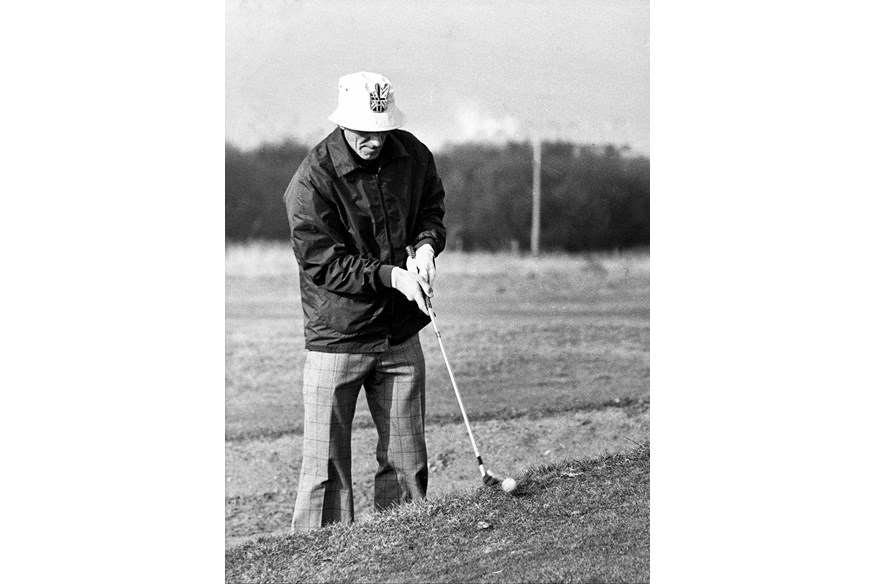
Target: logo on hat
<point>379,98</point>
<point>381,114</point>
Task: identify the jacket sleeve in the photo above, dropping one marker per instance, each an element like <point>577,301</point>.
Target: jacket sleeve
<point>318,242</point>
<point>429,226</point>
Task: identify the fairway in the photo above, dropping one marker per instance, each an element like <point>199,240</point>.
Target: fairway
<point>551,356</point>
<point>524,336</point>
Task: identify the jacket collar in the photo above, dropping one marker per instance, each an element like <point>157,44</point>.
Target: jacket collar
<point>343,159</point>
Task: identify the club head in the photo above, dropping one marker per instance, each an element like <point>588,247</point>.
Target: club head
<point>490,479</point>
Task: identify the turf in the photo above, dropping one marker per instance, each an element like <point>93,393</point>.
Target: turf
<point>570,521</point>
<point>524,336</point>
<point>262,474</point>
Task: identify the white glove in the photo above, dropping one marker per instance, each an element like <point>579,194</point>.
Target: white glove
<point>423,263</point>
<point>412,286</point>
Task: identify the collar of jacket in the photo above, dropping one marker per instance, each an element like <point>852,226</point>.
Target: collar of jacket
<point>343,159</point>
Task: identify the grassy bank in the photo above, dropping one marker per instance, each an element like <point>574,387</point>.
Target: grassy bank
<point>572,521</point>
<point>261,475</point>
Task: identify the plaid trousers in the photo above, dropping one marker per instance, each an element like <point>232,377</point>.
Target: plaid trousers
<point>395,386</point>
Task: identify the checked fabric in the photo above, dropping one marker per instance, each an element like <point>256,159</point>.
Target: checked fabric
<point>395,388</point>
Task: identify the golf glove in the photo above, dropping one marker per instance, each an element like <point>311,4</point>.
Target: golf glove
<point>423,263</point>
<point>412,286</point>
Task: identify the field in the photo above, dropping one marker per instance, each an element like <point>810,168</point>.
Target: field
<point>551,356</point>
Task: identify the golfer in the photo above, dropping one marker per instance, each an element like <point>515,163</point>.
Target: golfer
<point>358,199</point>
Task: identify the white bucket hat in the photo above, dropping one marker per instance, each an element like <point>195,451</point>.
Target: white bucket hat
<point>366,102</point>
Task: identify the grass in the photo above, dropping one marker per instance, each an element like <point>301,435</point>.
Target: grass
<point>552,359</point>
<point>524,336</point>
<point>571,521</point>
<point>262,474</point>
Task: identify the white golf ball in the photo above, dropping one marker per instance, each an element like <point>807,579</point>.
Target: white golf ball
<point>508,485</point>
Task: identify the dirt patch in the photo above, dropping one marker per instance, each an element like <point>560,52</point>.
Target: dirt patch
<point>261,476</point>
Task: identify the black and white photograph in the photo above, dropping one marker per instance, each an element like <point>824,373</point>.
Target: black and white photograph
<point>420,340</point>
<point>437,222</point>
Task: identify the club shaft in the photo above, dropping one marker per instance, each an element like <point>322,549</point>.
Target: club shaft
<point>412,254</point>
<point>455,387</point>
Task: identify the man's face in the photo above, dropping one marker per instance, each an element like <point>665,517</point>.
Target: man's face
<point>366,144</point>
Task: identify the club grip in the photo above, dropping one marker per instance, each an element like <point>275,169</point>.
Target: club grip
<point>412,254</point>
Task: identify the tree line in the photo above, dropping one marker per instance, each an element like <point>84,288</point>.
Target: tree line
<point>593,197</point>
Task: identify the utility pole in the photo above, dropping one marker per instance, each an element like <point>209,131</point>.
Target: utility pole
<point>535,234</point>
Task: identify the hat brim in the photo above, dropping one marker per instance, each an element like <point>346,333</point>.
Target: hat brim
<point>391,119</point>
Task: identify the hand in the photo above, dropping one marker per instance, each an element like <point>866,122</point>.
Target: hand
<point>414,287</point>
<point>423,263</point>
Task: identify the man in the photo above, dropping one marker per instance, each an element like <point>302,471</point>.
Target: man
<point>358,199</point>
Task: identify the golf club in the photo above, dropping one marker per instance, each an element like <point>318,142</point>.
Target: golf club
<point>487,476</point>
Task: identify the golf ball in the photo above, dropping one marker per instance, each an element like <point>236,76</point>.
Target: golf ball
<point>508,485</point>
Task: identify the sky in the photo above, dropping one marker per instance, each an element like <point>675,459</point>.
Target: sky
<point>463,71</point>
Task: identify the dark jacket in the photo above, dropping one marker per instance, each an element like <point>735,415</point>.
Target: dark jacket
<point>350,225</point>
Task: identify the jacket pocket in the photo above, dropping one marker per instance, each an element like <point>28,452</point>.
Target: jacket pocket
<point>348,314</point>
